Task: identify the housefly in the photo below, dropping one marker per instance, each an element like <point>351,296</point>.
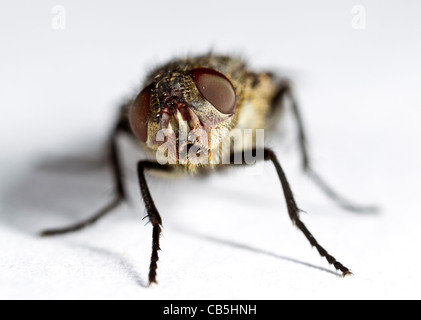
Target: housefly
<point>188,116</point>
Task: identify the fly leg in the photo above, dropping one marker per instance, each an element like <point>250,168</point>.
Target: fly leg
<point>120,194</point>
<point>284,91</point>
<point>294,211</point>
<point>152,212</point>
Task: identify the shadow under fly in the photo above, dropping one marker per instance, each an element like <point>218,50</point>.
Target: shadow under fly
<point>200,114</point>
<point>50,184</point>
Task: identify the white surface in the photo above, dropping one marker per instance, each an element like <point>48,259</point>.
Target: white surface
<point>228,236</point>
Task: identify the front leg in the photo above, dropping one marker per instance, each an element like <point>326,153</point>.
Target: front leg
<point>293,209</point>
<point>294,214</point>
<point>152,212</point>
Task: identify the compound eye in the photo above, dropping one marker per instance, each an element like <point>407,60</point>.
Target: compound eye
<point>139,113</point>
<point>216,88</point>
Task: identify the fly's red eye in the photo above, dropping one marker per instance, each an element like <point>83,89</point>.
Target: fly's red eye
<point>139,113</point>
<point>216,88</point>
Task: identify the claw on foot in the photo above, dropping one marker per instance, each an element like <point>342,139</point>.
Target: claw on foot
<point>347,274</point>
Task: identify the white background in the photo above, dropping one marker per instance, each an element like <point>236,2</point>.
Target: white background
<point>228,236</point>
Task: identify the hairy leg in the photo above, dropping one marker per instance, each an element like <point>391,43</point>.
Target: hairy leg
<point>152,211</point>
<point>294,212</point>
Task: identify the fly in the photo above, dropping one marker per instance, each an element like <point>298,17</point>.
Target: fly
<point>187,116</point>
